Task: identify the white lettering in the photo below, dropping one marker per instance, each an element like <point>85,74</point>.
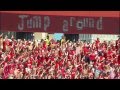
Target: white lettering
<point>34,23</point>
<point>22,17</point>
<point>65,25</point>
<point>35,20</point>
<point>91,23</point>
<point>79,25</point>
<point>46,22</point>
<point>29,23</point>
<point>71,21</point>
<point>86,22</point>
<point>39,22</point>
<point>99,24</point>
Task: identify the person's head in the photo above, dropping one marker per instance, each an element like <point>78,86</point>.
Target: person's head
<point>6,37</point>
<point>47,36</point>
<point>63,37</point>
<point>119,37</point>
<point>1,35</point>
<point>109,48</point>
<point>97,38</point>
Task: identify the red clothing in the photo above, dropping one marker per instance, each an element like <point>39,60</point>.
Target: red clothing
<point>57,65</point>
<point>109,52</point>
<point>10,44</point>
<point>12,53</point>
<point>72,52</point>
<point>30,62</point>
<point>105,55</point>
<point>60,53</point>
<point>52,58</point>
<point>9,57</point>
<point>13,66</point>
<point>42,59</point>
<point>101,58</point>
<point>85,50</point>
<point>11,71</point>
<point>46,58</point>
<point>114,55</point>
<point>92,57</point>
<point>97,43</point>
<point>4,46</point>
<point>100,67</point>
<point>119,59</point>
<point>60,63</point>
<point>44,45</point>
<point>72,75</point>
<point>6,72</point>
<point>114,62</point>
<point>68,56</point>
<point>38,63</point>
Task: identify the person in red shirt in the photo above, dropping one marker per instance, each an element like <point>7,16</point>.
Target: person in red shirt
<point>9,57</point>
<point>0,54</point>
<point>60,53</point>
<point>92,56</point>
<point>97,42</point>
<point>85,50</point>
<point>6,71</point>
<point>119,58</point>
<point>4,46</point>
<point>12,52</point>
<point>60,60</point>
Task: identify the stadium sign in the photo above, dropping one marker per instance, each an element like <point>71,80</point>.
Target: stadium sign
<point>59,24</point>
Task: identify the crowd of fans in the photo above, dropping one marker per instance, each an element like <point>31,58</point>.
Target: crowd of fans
<point>50,59</point>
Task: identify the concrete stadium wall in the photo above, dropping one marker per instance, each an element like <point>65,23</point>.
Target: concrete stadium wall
<point>92,37</point>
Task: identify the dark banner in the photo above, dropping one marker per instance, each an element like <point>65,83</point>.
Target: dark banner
<point>59,24</point>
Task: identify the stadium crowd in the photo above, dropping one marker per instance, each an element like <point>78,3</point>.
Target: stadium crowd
<point>50,59</point>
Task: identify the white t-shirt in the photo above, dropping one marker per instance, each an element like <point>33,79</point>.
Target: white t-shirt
<point>28,70</point>
<point>112,74</point>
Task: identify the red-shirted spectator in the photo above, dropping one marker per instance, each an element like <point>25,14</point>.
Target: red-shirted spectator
<point>36,60</point>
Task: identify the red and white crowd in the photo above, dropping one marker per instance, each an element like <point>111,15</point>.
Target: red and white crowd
<point>24,59</point>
